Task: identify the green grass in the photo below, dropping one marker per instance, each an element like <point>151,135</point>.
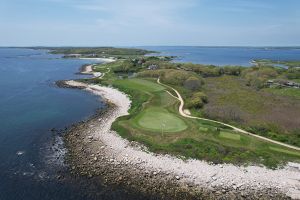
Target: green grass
<point>229,90</point>
<point>160,120</point>
<point>294,63</point>
<point>266,112</point>
<point>192,138</point>
<point>294,153</point>
<point>152,106</point>
<point>140,84</point>
<point>291,92</point>
<point>203,129</point>
<point>228,135</point>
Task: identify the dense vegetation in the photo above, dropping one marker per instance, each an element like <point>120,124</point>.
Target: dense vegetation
<point>264,112</point>
<point>262,99</point>
<point>290,64</point>
<point>154,119</point>
<point>100,51</point>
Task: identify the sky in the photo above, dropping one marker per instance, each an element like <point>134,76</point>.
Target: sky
<point>149,22</point>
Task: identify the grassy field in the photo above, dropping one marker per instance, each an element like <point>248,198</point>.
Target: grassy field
<point>270,112</point>
<point>292,92</point>
<point>142,85</point>
<point>283,63</point>
<point>152,107</point>
<point>155,122</point>
<point>231,136</point>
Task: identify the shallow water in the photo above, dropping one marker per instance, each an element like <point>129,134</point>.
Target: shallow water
<point>226,55</point>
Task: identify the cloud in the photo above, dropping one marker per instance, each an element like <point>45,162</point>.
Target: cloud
<point>242,6</point>
<point>149,22</point>
<point>137,13</point>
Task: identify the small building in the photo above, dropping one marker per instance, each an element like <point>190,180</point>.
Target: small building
<point>152,67</point>
<point>282,84</point>
<point>289,83</point>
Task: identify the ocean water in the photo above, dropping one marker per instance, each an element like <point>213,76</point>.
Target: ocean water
<point>225,55</point>
<point>30,106</point>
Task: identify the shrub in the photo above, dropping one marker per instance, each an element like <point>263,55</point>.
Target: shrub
<point>197,100</point>
<point>151,73</point>
<point>293,73</point>
<point>231,70</point>
<point>125,67</point>
<point>193,83</point>
<point>257,76</point>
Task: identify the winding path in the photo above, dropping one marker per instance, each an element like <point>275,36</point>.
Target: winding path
<point>181,112</point>
<point>104,73</point>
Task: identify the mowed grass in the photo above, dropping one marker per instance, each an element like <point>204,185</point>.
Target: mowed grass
<point>152,118</point>
<point>281,150</point>
<point>160,120</point>
<point>140,84</point>
<point>154,121</point>
<point>228,135</point>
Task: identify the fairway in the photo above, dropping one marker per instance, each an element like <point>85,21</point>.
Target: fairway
<point>228,135</point>
<point>284,151</point>
<point>140,84</point>
<point>154,121</point>
<point>158,119</point>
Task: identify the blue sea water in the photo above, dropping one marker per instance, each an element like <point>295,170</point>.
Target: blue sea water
<point>221,56</point>
<point>31,105</point>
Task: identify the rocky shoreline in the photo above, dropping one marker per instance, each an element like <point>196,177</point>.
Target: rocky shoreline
<point>96,151</point>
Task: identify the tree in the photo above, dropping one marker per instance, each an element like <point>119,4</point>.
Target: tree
<point>193,83</point>
<point>197,100</point>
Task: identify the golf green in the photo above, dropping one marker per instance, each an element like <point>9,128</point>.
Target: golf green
<point>158,119</point>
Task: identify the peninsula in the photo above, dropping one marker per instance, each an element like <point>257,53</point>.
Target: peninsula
<point>183,130</point>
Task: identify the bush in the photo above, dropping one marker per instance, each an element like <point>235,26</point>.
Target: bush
<point>125,67</point>
<point>231,70</point>
<point>175,77</point>
<point>293,73</point>
<point>257,76</point>
<point>193,83</point>
<point>197,100</point>
<point>151,73</point>
<point>226,114</point>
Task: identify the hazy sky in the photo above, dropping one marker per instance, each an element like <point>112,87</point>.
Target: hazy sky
<point>149,22</point>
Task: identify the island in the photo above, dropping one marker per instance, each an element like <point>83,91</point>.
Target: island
<point>188,131</point>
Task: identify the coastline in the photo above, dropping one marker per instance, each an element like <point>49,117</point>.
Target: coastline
<point>100,59</point>
<point>88,68</point>
<point>95,150</point>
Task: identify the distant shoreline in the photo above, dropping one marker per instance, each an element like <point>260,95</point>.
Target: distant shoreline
<point>100,59</point>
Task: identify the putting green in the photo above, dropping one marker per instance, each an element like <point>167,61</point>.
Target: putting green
<point>159,119</point>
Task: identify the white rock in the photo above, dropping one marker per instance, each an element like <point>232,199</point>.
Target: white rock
<point>284,178</point>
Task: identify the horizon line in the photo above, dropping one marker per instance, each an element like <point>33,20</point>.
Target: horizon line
<point>134,46</point>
